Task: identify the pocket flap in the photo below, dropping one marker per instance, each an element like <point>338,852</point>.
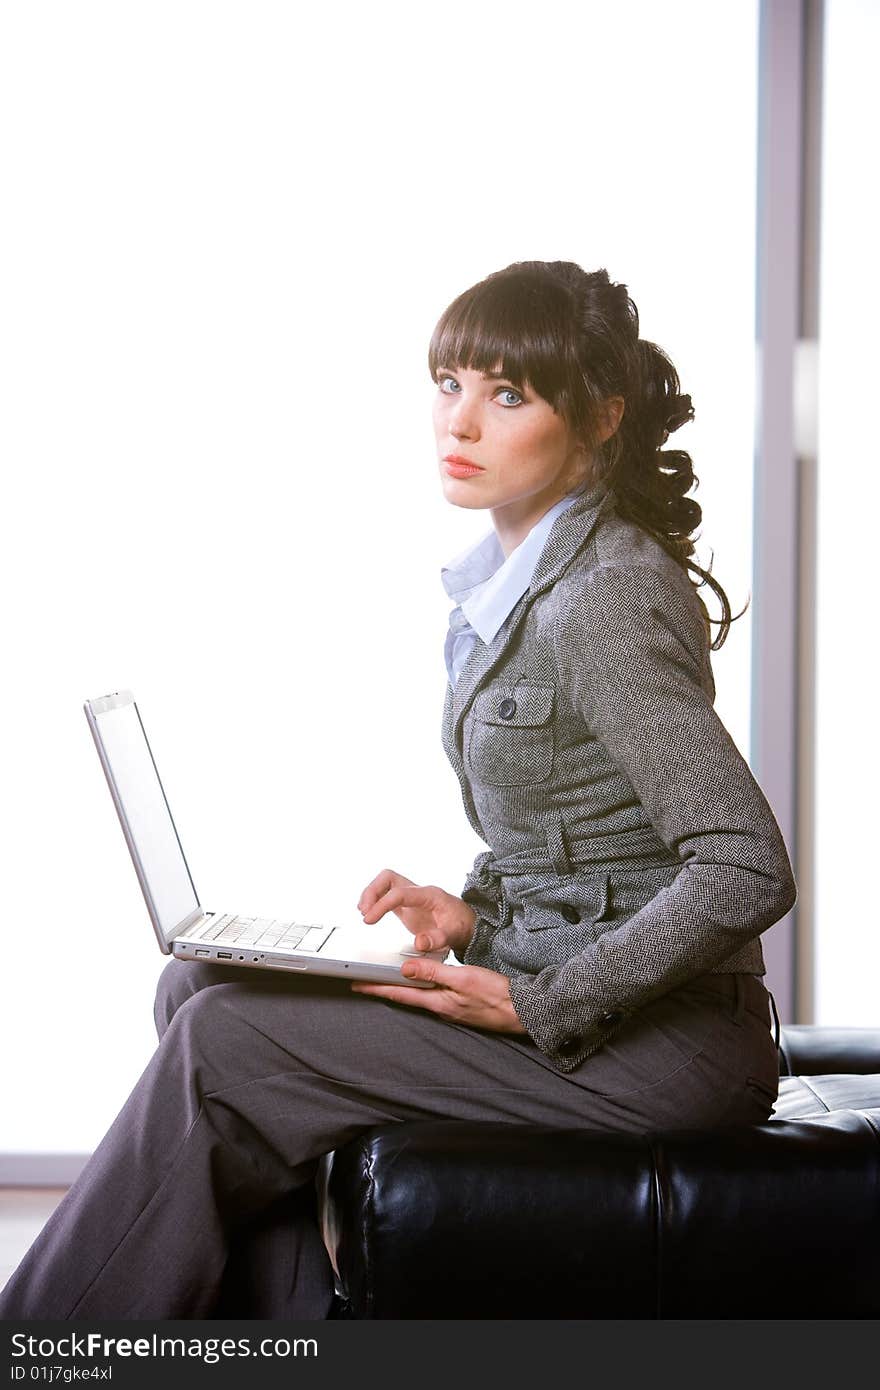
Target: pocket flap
<point>573,901</point>
<point>515,706</point>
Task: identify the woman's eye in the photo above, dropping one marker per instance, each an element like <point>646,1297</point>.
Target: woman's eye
<point>448,384</point>
<point>509,397</point>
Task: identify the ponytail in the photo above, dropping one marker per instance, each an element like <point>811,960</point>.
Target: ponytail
<point>651,482</point>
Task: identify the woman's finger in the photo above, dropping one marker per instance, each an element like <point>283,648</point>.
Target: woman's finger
<point>430,941</point>
<point>405,894</point>
<point>378,886</point>
<point>374,889</point>
<point>431,999</point>
<point>457,977</point>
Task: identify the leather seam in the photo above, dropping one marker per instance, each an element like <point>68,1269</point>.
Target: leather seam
<point>657,1200</point>
<point>815,1094</point>
<point>365,1232</point>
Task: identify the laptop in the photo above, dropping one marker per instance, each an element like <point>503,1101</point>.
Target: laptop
<point>190,932</point>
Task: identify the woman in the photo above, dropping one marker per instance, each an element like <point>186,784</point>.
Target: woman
<point>608,940</point>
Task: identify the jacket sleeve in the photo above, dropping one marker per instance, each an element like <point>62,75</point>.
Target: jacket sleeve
<point>631,649</point>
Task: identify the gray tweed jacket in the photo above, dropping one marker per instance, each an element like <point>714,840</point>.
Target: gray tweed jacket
<point>630,847</point>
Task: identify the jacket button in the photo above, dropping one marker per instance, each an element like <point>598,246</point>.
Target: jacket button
<point>507,709</point>
<point>569,1046</point>
<point>570,913</point>
<point>613,1016</point>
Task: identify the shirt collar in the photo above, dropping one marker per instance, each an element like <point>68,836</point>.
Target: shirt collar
<point>486,585</point>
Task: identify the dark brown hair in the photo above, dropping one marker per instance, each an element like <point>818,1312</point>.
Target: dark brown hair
<point>573,337</point>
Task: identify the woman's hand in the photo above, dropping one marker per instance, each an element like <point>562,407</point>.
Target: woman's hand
<point>464,994</point>
<point>437,920</point>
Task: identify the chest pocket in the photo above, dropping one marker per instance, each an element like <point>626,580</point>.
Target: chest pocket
<point>511,735</point>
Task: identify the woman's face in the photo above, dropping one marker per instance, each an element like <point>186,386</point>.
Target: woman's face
<point>504,448</point>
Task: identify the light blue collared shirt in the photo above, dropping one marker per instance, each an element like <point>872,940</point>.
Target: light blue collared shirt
<point>487,586</point>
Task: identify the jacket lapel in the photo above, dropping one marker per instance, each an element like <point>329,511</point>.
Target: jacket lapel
<point>569,534</point>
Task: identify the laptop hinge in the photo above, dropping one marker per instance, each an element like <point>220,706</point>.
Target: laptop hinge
<point>199,918</point>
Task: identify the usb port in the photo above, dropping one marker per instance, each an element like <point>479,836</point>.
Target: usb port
<point>202,953</point>
<point>224,955</point>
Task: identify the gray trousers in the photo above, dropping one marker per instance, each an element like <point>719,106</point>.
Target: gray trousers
<point>200,1199</point>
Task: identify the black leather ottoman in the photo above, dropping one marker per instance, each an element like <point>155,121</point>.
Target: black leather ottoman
<point>781,1220</point>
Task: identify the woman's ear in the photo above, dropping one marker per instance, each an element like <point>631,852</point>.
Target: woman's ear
<point>610,416</point>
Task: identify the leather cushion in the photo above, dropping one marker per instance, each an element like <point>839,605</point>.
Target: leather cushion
<point>806,1049</point>
<point>801,1097</point>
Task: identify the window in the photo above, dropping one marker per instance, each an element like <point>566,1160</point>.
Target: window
<point>847,949</point>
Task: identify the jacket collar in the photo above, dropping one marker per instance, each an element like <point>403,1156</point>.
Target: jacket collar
<point>568,535</point>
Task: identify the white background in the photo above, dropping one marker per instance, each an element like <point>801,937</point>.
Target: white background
<point>229,230</point>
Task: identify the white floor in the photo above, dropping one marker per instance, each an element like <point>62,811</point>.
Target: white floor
<point>23,1213</point>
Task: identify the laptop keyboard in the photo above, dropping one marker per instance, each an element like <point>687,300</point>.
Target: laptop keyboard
<point>263,931</point>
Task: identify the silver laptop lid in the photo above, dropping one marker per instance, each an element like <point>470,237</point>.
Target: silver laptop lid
<point>144,813</point>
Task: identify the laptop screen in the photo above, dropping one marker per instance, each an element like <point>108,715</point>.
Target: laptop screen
<point>143,810</point>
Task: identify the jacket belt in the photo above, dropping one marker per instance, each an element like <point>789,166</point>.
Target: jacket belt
<point>484,885</point>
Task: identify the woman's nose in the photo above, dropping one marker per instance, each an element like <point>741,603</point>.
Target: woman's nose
<point>463,423</point>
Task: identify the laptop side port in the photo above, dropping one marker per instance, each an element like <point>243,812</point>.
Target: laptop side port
<point>224,955</point>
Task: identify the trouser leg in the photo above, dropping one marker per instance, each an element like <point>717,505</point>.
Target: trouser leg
<point>277,1265</point>
<point>252,1081</point>
<point>144,1231</point>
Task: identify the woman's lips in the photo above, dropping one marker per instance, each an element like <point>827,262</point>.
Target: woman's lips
<point>460,468</point>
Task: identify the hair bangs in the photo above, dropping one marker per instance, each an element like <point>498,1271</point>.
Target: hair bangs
<point>510,324</point>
